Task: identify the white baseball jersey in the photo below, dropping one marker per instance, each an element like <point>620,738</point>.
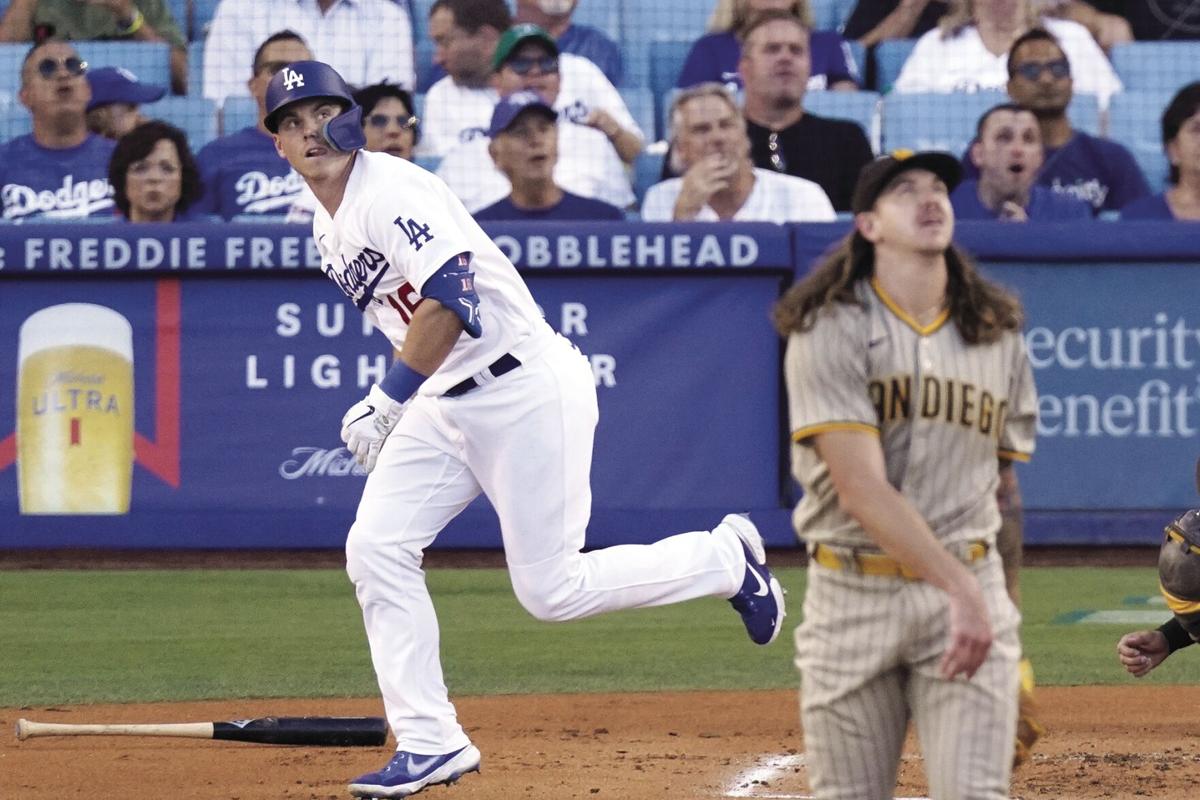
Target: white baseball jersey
<point>455,115</point>
<point>523,437</point>
<point>588,165</point>
<point>870,646</point>
<point>963,64</point>
<point>774,198</point>
<point>397,226</point>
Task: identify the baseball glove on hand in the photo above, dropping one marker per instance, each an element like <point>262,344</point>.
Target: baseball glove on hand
<point>368,423</point>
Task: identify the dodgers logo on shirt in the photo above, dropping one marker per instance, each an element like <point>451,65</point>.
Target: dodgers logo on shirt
<point>359,276</point>
<point>291,79</point>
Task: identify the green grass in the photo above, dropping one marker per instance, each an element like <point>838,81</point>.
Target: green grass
<point>72,637</point>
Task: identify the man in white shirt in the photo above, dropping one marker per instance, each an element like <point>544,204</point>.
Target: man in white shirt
<point>597,136</point>
<point>367,41</point>
<point>974,56</point>
<point>720,183</point>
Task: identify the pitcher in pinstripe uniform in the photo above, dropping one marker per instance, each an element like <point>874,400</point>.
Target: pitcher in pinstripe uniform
<point>910,393</point>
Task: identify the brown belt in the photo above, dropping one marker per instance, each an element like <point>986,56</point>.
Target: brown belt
<point>881,563</point>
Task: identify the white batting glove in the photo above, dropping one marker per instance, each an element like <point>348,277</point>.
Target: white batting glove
<point>368,423</point>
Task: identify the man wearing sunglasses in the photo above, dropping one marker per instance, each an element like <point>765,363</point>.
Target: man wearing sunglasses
<point>1098,171</point>
<point>597,136</point>
<point>60,170</point>
<point>243,176</point>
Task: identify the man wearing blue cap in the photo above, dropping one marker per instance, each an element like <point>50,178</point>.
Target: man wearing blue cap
<point>116,94</point>
<point>524,145</point>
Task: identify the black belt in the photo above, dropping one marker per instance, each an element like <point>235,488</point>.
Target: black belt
<point>502,365</point>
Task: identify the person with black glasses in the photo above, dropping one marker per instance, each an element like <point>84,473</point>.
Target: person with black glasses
<point>597,137</point>
<point>60,170</point>
<point>1101,172</point>
<point>784,137</point>
<point>242,174</point>
<point>389,119</point>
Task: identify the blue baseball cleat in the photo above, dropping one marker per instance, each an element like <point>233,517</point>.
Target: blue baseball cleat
<point>409,773</point>
<point>760,600</point>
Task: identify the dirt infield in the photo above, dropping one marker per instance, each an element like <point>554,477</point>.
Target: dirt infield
<point>1103,742</point>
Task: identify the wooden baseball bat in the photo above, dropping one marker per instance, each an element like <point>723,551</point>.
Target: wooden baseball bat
<point>327,731</point>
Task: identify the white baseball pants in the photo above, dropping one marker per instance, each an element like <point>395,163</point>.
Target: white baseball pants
<point>524,439</point>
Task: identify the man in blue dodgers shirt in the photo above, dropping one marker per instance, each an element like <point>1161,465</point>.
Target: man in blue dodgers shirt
<point>60,171</point>
<point>241,172</point>
<point>1008,154</point>
<point>1100,172</point>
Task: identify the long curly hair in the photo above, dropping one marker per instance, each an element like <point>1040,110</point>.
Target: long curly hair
<point>981,310</point>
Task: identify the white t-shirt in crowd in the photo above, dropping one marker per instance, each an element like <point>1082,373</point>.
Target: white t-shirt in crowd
<point>455,115</point>
<point>588,165</point>
<point>963,64</point>
<point>774,198</point>
<point>366,41</point>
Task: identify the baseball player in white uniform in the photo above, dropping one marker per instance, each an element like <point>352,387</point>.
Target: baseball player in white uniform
<point>484,397</point>
<point>909,385</point>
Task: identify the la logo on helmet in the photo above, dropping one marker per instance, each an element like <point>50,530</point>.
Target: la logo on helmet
<point>291,79</point>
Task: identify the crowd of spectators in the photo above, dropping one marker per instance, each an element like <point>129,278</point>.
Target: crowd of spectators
<point>525,116</point>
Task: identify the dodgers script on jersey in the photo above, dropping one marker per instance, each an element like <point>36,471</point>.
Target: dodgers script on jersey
<point>380,248</point>
<point>927,393</point>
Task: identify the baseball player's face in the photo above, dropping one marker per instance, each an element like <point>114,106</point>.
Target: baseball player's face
<point>155,182</point>
<point>53,82</point>
<point>913,214</point>
<point>300,141</point>
<point>531,67</point>
<point>776,62</point>
<point>1184,150</point>
<point>1009,152</point>
<point>528,150</point>
<point>708,127</point>
<point>1041,78</point>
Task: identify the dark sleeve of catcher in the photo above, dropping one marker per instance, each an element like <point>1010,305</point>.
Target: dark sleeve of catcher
<point>1177,637</point>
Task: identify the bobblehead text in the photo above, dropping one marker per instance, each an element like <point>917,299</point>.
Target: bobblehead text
<point>336,322</point>
<point>1140,381</point>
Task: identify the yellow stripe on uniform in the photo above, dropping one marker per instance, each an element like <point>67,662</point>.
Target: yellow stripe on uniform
<point>1013,455</point>
<point>800,434</point>
<point>1177,604</point>
<point>907,318</point>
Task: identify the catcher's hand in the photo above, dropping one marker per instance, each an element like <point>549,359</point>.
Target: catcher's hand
<point>1142,651</point>
<point>368,423</point>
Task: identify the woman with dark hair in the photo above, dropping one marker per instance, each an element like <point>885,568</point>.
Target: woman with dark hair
<point>1181,141</point>
<point>389,119</point>
<point>153,174</point>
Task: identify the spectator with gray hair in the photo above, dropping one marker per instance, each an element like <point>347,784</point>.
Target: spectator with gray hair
<point>720,182</point>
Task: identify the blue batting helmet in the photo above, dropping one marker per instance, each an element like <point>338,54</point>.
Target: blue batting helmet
<point>305,80</point>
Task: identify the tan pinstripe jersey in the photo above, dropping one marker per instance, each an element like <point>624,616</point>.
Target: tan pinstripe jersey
<point>944,412</point>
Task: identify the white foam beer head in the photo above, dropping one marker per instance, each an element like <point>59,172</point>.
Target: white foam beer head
<point>70,324</point>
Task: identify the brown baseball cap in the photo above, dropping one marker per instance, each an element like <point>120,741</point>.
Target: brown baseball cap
<point>876,175</point>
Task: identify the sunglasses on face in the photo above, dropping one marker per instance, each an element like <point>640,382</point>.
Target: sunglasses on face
<point>74,65</point>
<point>381,121</point>
<point>1032,70</point>
<point>523,66</point>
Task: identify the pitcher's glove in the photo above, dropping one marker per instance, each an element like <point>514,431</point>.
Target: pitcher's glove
<point>368,423</point>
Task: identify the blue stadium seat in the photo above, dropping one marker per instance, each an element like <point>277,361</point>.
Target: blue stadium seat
<point>14,121</point>
<point>830,15</point>
<point>202,14</point>
<point>197,116</point>
<point>666,62</point>
<point>181,12</point>
<point>860,107</point>
<point>428,163</point>
<point>646,20</point>
<point>647,171</point>
<point>1157,65</point>
<point>11,56</point>
<point>640,103</point>
<point>150,61</point>
<point>238,113</point>
<point>859,54</point>
<point>196,68</point>
<point>934,121</point>
<point>889,59</point>
<point>1134,121</point>
<point>602,14</point>
<point>1084,113</point>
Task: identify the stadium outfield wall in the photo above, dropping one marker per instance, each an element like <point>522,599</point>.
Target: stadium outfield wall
<point>243,357</point>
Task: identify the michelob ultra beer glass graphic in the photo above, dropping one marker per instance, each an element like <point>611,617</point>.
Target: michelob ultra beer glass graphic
<point>75,411</point>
